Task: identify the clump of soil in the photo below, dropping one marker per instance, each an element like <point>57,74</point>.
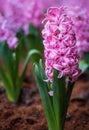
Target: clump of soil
<point>28,113</point>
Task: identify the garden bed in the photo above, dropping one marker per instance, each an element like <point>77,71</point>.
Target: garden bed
<point>28,113</point>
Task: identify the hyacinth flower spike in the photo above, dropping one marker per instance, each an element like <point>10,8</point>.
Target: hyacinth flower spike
<point>56,82</point>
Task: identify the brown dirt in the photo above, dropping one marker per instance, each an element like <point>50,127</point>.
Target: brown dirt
<point>28,114</point>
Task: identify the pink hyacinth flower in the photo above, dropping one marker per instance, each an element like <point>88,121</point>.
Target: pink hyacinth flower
<point>23,12</point>
<point>60,44</point>
<point>6,34</point>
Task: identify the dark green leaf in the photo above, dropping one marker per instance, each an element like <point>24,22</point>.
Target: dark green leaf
<point>20,34</point>
<point>8,59</point>
<point>59,98</point>
<point>34,38</point>
<point>30,54</point>
<point>86,57</point>
<point>32,30</point>
<point>44,89</point>
<point>68,94</point>
<point>1,47</point>
<point>4,78</point>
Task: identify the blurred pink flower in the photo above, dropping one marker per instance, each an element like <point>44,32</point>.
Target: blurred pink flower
<point>22,12</point>
<point>78,11</point>
<point>19,14</point>
<point>73,3</point>
<point>60,44</point>
<point>6,34</point>
<point>3,29</point>
<point>80,18</point>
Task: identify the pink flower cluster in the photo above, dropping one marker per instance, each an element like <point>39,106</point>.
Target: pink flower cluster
<point>18,14</point>
<point>6,34</point>
<point>60,44</point>
<point>80,18</point>
<point>22,12</point>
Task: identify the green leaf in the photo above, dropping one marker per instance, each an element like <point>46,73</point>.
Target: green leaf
<point>46,99</point>
<point>22,44</point>
<point>1,47</point>
<point>35,42</point>
<point>86,57</point>
<point>68,93</point>
<point>59,98</point>
<point>83,65</point>
<point>4,78</point>
<point>34,38</point>
<point>7,55</point>
<point>16,62</point>
<point>9,74</point>
<point>32,29</point>
<point>21,48</point>
<point>20,34</point>
<point>30,54</point>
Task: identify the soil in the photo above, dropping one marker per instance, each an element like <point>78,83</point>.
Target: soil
<point>28,113</point>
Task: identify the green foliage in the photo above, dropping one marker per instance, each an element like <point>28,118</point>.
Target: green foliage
<point>83,65</point>
<point>1,47</point>
<point>21,47</point>
<point>86,57</point>
<point>46,99</point>
<point>59,98</point>
<point>55,106</point>
<point>10,72</point>
<point>34,38</point>
<point>28,45</point>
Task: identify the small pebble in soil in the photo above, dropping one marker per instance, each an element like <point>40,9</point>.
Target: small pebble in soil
<point>68,117</point>
<point>84,122</point>
<point>2,90</point>
<point>29,102</point>
<point>13,105</point>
